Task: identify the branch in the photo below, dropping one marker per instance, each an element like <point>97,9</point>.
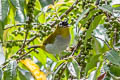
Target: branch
<point>97,2</point>
<point>61,17</point>
<point>66,12</point>
<point>75,48</point>
<point>13,41</point>
<point>106,2</point>
<point>54,23</point>
<point>21,57</point>
<point>62,71</point>
<point>19,51</point>
<point>24,55</point>
<point>30,40</point>
<point>103,41</point>
<point>19,24</point>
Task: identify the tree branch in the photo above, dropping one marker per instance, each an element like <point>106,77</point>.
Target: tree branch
<point>24,55</point>
<point>19,24</point>
<point>12,41</point>
<point>31,39</point>
<point>19,51</point>
<point>103,41</point>
<point>66,12</point>
<point>97,2</point>
<point>54,23</point>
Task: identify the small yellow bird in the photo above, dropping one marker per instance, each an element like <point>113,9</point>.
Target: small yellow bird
<point>58,41</point>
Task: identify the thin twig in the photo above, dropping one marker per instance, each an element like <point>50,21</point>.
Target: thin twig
<point>75,48</point>
<point>106,2</point>
<point>62,16</point>
<point>19,51</point>
<point>63,69</point>
<point>97,2</point>
<point>13,41</point>
<point>5,63</point>
<point>66,12</point>
<point>115,37</point>
<point>24,55</point>
<point>31,39</point>
<point>103,41</point>
<point>53,24</point>
<point>19,24</point>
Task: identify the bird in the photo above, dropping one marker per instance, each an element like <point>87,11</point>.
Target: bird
<point>57,41</point>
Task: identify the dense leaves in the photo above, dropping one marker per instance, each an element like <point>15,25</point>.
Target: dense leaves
<point>1,73</point>
<point>29,27</point>
<point>74,69</point>
<point>114,57</point>
<point>93,25</point>
<point>19,6</point>
<point>10,73</point>
<point>46,2</point>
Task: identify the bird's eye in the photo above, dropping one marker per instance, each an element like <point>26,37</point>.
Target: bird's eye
<point>63,24</point>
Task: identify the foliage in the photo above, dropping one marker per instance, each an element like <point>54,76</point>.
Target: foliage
<point>93,52</point>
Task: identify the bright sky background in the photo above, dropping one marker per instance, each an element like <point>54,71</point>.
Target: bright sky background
<point>115,1</point>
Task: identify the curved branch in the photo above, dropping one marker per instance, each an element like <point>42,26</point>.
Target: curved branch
<point>20,24</point>
<point>66,12</point>
<point>103,41</point>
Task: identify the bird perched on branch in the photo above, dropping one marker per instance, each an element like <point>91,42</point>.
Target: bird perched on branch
<point>58,41</point>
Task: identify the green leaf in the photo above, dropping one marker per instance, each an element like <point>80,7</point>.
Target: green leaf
<point>72,35</point>
<point>19,5</point>
<point>116,5</point>
<point>58,64</point>
<point>115,70</point>
<point>74,68</point>
<point>4,9</point>
<point>93,25</point>
<point>1,73</point>
<point>91,13</point>
<point>41,18</point>
<point>113,56</point>
<point>2,57</point>
<point>107,8</point>
<point>82,15</point>
<point>62,9</point>
<point>21,75</point>
<point>40,56</point>
<point>97,71</point>
<point>92,63</point>
<point>51,56</point>
<point>11,15</point>
<point>66,74</point>
<point>10,73</point>
<point>1,30</point>
<point>46,2</point>
<point>24,74</point>
<point>57,69</point>
<point>37,5</point>
<point>96,46</point>
<point>99,47</point>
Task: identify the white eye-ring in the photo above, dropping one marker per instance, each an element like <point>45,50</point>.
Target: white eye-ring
<point>64,24</point>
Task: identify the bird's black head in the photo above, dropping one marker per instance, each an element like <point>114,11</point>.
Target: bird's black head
<point>64,24</point>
